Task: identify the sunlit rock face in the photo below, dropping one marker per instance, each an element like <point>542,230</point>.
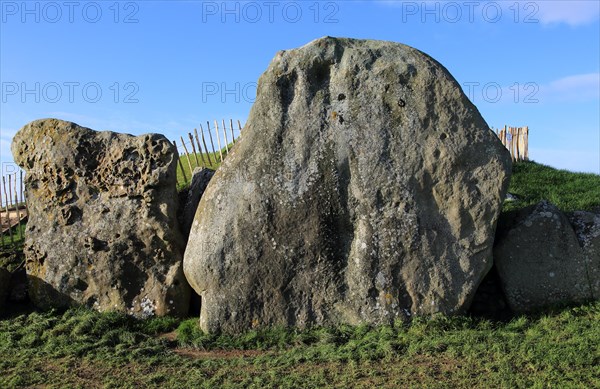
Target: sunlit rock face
<point>365,188</point>
<point>102,227</point>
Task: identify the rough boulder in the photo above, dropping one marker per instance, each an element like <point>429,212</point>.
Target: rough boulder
<point>542,260</point>
<point>365,188</point>
<point>102,227</point>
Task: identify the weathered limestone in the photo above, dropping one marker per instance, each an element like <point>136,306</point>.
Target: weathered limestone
<point>102,227</point>
<point>366,187</point>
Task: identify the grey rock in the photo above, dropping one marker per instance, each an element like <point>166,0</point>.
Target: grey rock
<point>365,188</point>
<point>190,197</point>
<point>4,286</point>
<point>587,228</point>
<point>102,227</point>
<point>539,259</point>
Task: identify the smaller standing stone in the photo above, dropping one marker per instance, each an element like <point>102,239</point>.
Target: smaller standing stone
<point>539,259</point>
<point>102,227</point>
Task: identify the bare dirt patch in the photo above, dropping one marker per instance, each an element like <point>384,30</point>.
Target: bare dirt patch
<point>190,352</point>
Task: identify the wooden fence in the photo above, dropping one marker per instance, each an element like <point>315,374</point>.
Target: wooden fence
<point>516,140</point>
<point>13,212</point>
<point>194,148</point>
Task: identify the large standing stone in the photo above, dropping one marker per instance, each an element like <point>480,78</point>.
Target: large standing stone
<point>539,259</point>
<point>366,187</point>
<point>102,227</point>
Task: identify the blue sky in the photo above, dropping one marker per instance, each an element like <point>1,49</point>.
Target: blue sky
<point>158,66</point>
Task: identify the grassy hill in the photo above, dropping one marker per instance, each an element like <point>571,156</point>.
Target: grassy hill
<point>532,182</point>
<point>83,348</point>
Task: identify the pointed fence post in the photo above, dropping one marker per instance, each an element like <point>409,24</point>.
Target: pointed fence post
<point>226,140</point>
<point>517,144</point>
<point>12,239</point>
<point>204,143</point>
<point>200,148</point>
<point>187,154</point>
<point>10,197</point>
<point>218,139</point>
<point>194,148</point>
<point>231,127</point>
<point>526,143</point>
<point>180,165</point>
<point>18,209</point>
<point>211,142</point>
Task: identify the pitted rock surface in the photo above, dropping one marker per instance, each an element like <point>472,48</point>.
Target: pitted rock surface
<point>365,188</point>
<point>102,227</point>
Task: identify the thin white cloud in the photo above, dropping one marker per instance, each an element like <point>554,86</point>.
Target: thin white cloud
<point>547,12</point>
<point>574,88</point>
<point>571,12</point>
<point>579,87</point>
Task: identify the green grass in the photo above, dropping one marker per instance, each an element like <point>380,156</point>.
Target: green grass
<point>18,236</point>
<point>211,161</point>
<point>83,348</point>
<point>11,254</point>
<point>532,182</point>
<point>11,251</point>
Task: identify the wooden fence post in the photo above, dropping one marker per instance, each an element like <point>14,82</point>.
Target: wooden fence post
<point>204,143</point>
<point>187,154</point>
<point>226,140</point>
<point>231,127</point>
<point>517,145</point>
<point>17,209</point>
<point>520,143</point>
<point>511,143</point>
<point>10,197</point>
<point>194,148</point>
<point>180,165</point>
<point>200,148</point>
<point>526,143</point>
<point>23,199</point>
<point>218,140</point>
<point>12,239</point>
<point>211,142</point>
